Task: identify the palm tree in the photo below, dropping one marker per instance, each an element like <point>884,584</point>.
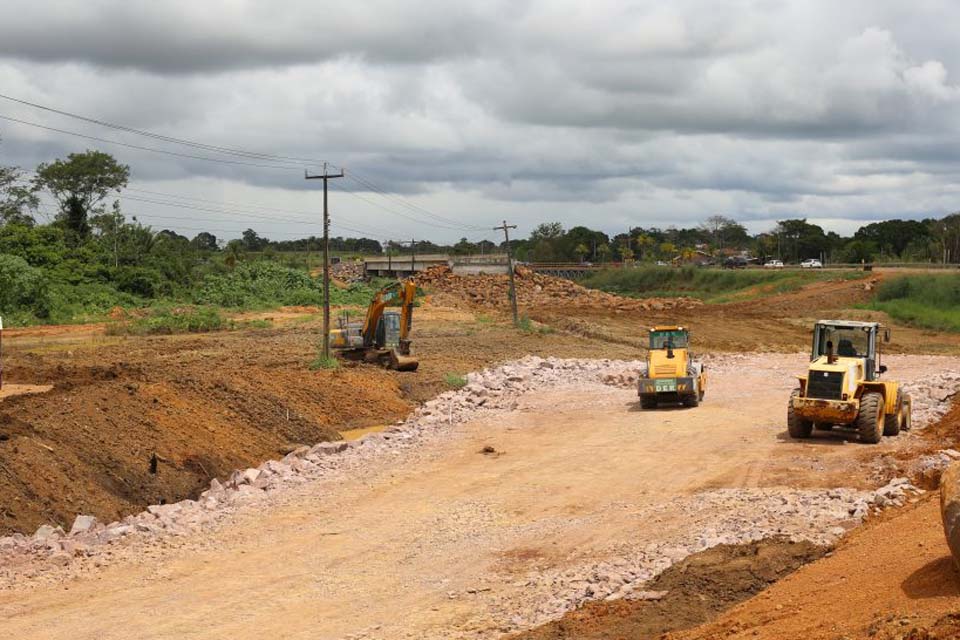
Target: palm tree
<point>643,242</point>
<point>580,251</point>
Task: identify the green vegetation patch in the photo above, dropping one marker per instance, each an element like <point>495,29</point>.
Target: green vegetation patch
<point>930,301</point>
<point>711,285</point>
<point>455,380</point>
<point>170,320</point>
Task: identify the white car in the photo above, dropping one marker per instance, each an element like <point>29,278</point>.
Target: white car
<point>812,263</point>
<point>774,264</point>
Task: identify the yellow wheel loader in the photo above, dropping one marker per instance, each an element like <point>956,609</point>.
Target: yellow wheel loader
<point>384,336</point>
<point>672,374</point>
<point>842,385</point>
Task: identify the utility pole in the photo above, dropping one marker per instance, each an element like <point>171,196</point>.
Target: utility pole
<point>326,257</point>
<point>413,257</point>
<point>513,289</point>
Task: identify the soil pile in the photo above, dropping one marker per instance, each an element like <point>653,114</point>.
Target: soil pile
<point>533,289</point>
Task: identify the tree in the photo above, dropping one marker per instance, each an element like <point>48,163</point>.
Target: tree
<point>204,241</point>
<point>15,198</point>
<point>892,236</point>
<point>603,252</point>
<point>464,247</point>
<point>80,184</point>
<point>233,253</point>
<point>714,226</point>
<point>251,241</point>
<point>800,239</point>
<point>644,243</point>
<point>546,231</point>
<point>626,253</point>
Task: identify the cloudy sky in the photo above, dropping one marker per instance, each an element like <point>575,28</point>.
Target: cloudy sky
<point>452,116</point>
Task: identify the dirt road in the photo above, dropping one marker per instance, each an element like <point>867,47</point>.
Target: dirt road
<point>449,541</point>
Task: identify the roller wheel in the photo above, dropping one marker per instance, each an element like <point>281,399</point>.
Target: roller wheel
<point>648,402</point>
<point>691,400</point>
<point>870,418</point>
<point>797,427</point>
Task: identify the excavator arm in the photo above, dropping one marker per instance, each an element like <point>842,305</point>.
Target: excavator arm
<point>408,292</point>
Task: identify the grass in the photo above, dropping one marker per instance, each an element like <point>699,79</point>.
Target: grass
<point>454,380</point>
<point>928,301</point>
<point>710,285</point>
<point>527,325</point>
<point>329,363</point>
<point>170,320</point>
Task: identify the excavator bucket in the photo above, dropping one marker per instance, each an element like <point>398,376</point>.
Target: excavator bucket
<point>403,363</point>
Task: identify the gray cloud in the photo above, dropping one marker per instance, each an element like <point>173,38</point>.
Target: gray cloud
<point>607,113</point>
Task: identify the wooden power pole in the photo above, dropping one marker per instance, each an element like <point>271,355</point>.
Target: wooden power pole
<point>513,288</point>
<point>326,257</point>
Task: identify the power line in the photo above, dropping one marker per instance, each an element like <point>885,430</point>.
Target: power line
<point>232,162</point>
<point>400,213</point>
<point>158,136</point>
<point>244,214</point>
<point>369,185</point>
<point>366,182</point>
<point>151,149</point>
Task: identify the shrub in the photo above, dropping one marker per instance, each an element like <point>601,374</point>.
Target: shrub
<point>172,320</point>
<point>454,380</point>
<point>23,289</point>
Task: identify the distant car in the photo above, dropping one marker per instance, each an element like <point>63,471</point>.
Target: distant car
<point>774,264</point>
<point>735,262</point>
<point>811,263</point>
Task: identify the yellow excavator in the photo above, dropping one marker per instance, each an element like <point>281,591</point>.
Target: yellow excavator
<point>384,336</point>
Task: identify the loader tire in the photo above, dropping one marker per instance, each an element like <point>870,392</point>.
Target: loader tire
<point>796,426</point>
<point>892,422</point>
<point>869,419</point>
<point>648,402</point>
<point>950,508</point>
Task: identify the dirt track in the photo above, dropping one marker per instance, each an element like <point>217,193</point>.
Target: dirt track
<point>451,542</point>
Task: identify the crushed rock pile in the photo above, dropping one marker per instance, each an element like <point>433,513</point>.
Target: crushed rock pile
<point>729,516</point>
<point>348,271</point>
<point>533,289</point>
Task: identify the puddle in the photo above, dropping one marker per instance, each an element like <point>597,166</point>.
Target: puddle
<point>356,434</point>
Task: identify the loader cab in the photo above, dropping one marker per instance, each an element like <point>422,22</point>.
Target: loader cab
<point>849,339</point>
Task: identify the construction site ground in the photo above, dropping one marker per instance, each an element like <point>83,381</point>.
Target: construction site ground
<point>475,534</point>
